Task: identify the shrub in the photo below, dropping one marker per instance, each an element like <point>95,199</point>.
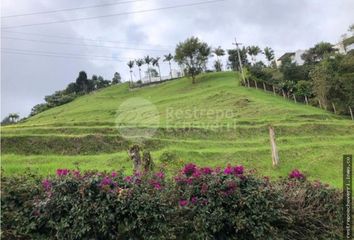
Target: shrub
<point>197,203</point>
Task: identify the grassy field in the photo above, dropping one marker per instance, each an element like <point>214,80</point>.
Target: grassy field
<point>213,122</point>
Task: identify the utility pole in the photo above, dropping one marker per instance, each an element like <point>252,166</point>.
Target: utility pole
<point>239,59</point>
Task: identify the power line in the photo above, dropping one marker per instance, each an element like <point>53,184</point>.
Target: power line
<point>60,53</point>
<point>82,39</point>
<point>71,9</point>
<point>114,15</point>
<point>84,45</point>
<point>55,56</point>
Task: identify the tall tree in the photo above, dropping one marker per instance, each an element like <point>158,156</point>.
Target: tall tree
<point>148,60</point>
<point>233,58</point>
<point>82,81</point>
<point>131,65</point>
<point>253,51</point>
<point>269,54</point>
<point>116,78</point>
<point>318,52</point>
<point>168,58</point>
<point>139,63</point>
<point>14,117</point>
<point>219,52</point>
<point>155,62</point>
<point>194,54</point>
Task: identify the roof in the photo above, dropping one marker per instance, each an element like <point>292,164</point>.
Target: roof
<point>286,55</point>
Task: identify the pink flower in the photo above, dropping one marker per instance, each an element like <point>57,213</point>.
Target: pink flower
<point>189,169</point>
<point>194,200</point>
<point>160,175</point>
<point>106,181</point>
<point>47,184</point>
<point>183,203</point>
<point>197,173</point>
<point>128,179</point>
<point>62,172</point>
<point>114,174</point>
<point>76,173</point>
<point>238,170</point>
<point>296,174</point>
<point>228,169</point>
<point>206,170</point>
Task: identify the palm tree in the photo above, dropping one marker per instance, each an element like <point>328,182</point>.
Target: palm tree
<point>139,63</point>
<point>168,59</point>
<point>148,60</point>
<point>155,62</point>
<point>131,65</point>
<point>253,51</point>
<point>269,54</point>
<point>218,52</point>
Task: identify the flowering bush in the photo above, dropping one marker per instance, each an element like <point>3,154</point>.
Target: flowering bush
<point>197,203</point>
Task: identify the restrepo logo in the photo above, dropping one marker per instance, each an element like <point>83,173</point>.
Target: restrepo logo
<point>137,119</point>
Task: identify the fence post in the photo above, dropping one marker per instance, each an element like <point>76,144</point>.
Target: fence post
<point>319,102</point>
<point>248,82</point>
<point>255,84</point>
<point>334,108</point>
<point>294,98</point>
<point>264,87</point>
<point>307,102</point>
<point>275,155</point>
<point>351,113</point>
<point>273,90</point>
<point>282,90</point>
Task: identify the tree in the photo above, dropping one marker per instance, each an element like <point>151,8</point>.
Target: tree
<point>116,78</point>
<point>13,117</point>
<point>269,54</point>
<point>82,81</point>
<point>155,62</point>
<point>351,29</point>
<point>168,58</point>
<point>318,52</point>
<point>131,65</point>
<point>151,72</point>
<point>139,63</point>
<point>253,51</point>
<point>148,60</point>
<point>218,52</point>
<point>72,88</point>
<point>233,58</point>
<point>194,54</point>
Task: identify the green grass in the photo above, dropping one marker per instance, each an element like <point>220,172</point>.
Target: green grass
<point>213,122</point>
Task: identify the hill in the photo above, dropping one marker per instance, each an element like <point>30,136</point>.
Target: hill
<point>213,122</point>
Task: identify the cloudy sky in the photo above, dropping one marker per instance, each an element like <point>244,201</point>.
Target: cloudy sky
<point>42,49</point>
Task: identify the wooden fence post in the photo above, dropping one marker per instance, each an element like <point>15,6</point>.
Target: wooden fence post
<point>256,84</point>
<point>273,90</point>
<point>282,90</point>
<point>319,102</point>
<point>264,87</point>
<point>248,82</point>
<point>294,98</point>
<point>351,113</point>
<point>275,155</point>
<point>334,108</point>
<point>307,102</point>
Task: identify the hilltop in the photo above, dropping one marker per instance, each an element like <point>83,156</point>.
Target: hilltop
<point>213,122</point>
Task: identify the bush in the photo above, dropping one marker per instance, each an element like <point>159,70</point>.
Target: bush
<point>198,203</point>
<point>168,157</point>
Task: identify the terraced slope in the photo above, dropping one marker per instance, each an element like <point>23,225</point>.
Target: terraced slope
<point>213,122</point>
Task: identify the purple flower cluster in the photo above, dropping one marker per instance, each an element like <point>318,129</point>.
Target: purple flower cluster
<point>47,184</point>
<point>237,170</point>
<point>296,174</point>
<point>62,172</point>
<point>189,169</point>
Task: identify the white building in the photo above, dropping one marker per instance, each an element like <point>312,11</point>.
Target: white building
<point>294,56</point>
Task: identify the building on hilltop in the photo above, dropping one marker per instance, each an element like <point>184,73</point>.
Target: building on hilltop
<point>294,56</point>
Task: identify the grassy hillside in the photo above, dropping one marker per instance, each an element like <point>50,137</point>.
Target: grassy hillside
<point>213,122</point>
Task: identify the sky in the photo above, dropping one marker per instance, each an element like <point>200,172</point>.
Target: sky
<point>43,52</point>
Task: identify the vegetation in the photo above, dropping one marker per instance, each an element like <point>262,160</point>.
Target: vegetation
<point>213,122</point>
<point>194,54</point>
<point>81,86</point>
<point>197,203</point>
